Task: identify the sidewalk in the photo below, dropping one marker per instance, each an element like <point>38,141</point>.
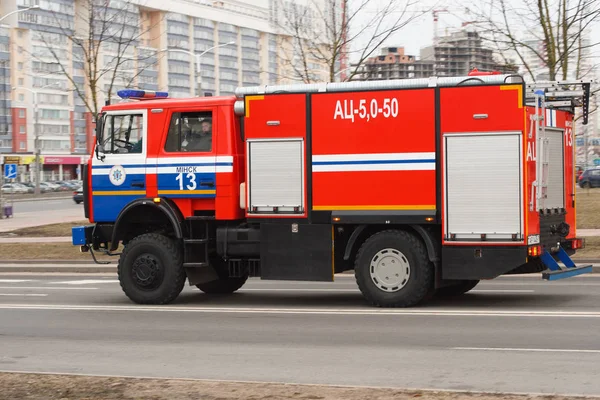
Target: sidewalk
<point>31,219</point>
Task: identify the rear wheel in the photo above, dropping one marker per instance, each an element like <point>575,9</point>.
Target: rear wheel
<point>457,289</point>
<point>223,286</point>
<point>151,269</point>
<point>392,269</point>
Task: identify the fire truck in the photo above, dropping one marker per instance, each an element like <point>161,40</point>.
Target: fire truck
<point>421,187</point>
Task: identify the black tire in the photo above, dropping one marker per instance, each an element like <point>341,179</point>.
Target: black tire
<point>417,285</point>
<point>149,253</point>
<point>457,289</point>
<point>223,286</point>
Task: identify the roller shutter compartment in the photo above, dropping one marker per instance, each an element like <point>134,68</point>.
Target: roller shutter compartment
<point>555,192</point>
<point>483,186</point>
<point>276,183</point>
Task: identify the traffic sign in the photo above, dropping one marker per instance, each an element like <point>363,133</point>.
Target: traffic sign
<point>597,161</point>
<point>10,171</point>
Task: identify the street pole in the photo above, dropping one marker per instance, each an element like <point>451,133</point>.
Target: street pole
<point>198,76</point>
<point>37,144</point>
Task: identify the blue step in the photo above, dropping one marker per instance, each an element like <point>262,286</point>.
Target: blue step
<point>555,271</point>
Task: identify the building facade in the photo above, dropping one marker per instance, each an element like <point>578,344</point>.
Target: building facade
<point>460,52</point>
<point>185,47</point>
<point>393,63</point>
<point>455,54</point>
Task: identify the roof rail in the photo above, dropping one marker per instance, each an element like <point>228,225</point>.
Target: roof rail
<point>561,95</point>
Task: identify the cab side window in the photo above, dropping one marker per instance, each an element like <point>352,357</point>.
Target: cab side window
<point>123,133</point>
<point>190,132</point>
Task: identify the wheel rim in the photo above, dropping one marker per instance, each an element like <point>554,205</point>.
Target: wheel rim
<point>147,272</point>
<point>390,270</point>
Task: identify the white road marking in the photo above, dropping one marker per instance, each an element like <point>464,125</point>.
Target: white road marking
<point>47,288</point>
<point>526,350</point>
<point>358,291</point>
<point>310,311</point>
<point>501,291</point>
<point>85,282</point>
<point>15,280</point>
<point>24,294</point>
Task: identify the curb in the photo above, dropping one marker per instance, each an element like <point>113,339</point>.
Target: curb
<point>42,269</point>
<point>41,199</point>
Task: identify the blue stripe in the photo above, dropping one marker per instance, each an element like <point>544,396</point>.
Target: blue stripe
<point>375,162</point>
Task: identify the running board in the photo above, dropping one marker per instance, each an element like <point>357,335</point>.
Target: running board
<point>556,271</point>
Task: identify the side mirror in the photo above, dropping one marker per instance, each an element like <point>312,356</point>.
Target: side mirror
<point>100,152</point>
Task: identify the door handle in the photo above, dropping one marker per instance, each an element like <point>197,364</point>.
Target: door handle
<point>137,184</point>
<point>207,183</point>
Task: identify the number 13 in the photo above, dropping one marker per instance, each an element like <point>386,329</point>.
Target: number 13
<point>191,177</point>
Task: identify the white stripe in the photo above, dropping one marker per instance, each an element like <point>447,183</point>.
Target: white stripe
<point>373,157</point>
<point>24,294</point>
<point>15,280</point>
<point>374,167</point>
<point>128,171</point>
<point>176,170</point>
<point>183,160</point>
<point>526,350</point>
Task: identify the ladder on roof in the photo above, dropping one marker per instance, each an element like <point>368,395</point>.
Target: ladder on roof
<point>545,96</point>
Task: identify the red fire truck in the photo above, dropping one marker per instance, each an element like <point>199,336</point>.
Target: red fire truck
<point>421,186</point>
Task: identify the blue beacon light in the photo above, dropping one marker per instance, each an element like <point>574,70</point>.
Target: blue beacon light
<point>141,94</point>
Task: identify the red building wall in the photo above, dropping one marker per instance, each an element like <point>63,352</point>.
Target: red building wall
<point>18,137</point>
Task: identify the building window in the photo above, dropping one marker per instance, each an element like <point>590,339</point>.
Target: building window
<point>21,82</point>
<point>22,146</point>
<point>20,66</point>
<point>21,97</point>
<point>22,129</point>
<point>21,113</point>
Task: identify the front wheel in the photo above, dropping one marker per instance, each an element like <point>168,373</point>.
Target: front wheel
<point>151,269</point>
<point>392,269</point>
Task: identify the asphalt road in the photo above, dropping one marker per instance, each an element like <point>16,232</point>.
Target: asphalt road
<point>517,334</point>
<point>46,205</point>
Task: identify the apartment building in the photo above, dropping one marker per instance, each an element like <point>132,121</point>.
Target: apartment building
<point>453,55</point>
<point>458,52</point>
<point>393,63</point>
<point>185,47</point>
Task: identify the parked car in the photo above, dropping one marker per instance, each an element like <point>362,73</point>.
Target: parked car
<point>590,178</point>
<point>78,196</point>
<point>12,188</point>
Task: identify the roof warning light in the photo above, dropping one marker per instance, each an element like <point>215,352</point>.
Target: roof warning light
<point>141,94</point>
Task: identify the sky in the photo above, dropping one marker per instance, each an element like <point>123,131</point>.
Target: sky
<point>419,33</point>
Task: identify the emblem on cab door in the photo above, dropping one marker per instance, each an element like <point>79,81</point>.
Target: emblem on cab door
<point>117,175</point>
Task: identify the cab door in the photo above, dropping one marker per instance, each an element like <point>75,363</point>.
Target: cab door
<point>119,164</point>
<point>187,163</point>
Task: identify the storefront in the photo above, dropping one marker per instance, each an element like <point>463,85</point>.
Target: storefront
<point>54,168</point>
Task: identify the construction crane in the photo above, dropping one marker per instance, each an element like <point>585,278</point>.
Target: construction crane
<point>435,23</point>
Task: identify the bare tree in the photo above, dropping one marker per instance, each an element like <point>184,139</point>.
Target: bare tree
<point>318,33</point>
<point>104,38</point>
<point>551,35</point>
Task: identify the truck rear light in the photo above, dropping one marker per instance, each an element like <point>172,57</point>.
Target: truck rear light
<point>577,244</point>
<point>534,251</point>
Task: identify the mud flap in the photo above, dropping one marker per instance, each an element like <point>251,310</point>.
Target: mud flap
<point>555,271</point>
